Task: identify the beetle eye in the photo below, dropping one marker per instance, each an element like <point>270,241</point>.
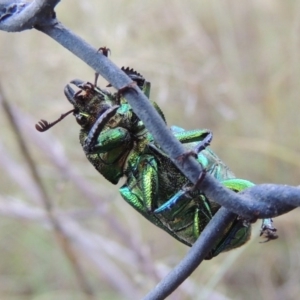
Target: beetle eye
<point>81,119</point>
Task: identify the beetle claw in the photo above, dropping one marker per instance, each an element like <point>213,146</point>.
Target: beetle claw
<point>269,232</point>
<point>69,93</point>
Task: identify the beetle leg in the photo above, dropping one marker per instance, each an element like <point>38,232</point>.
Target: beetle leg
<point>172,202</point>
<point>237,235</point>
<point>148,180</point>
<point>96,129</point>
<point>178,197</point>
<point>268,230</point>
<point>190,136</point>
<point>203,137</point>
<point>130,86</point>
<point>104,50</point>
<point>107,141</point>
<point>142,180</point>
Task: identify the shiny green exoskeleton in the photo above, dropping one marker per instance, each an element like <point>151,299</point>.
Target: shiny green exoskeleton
<point>117,143</point>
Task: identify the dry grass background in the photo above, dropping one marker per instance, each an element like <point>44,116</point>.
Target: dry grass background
<point>228,65</point>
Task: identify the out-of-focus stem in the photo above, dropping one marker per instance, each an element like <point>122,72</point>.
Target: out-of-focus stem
<point>61,237</point>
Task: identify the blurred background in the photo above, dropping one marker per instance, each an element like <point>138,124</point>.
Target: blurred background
<point>228,65</point>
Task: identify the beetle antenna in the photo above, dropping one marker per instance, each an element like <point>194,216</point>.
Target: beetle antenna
<point>43,125</point>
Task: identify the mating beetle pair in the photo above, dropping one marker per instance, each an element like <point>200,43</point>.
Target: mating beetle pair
<point>118,144</point>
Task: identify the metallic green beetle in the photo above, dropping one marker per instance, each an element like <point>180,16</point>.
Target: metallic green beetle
<point>117,143</point>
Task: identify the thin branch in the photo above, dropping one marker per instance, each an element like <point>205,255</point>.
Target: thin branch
<point>194,257</point>
<point>21,15</point>
<point>101,252</point>
<point>59,233</point>
<point>19,174</point>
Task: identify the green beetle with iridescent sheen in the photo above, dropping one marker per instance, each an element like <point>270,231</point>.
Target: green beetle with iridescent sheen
<point>118,144</point>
